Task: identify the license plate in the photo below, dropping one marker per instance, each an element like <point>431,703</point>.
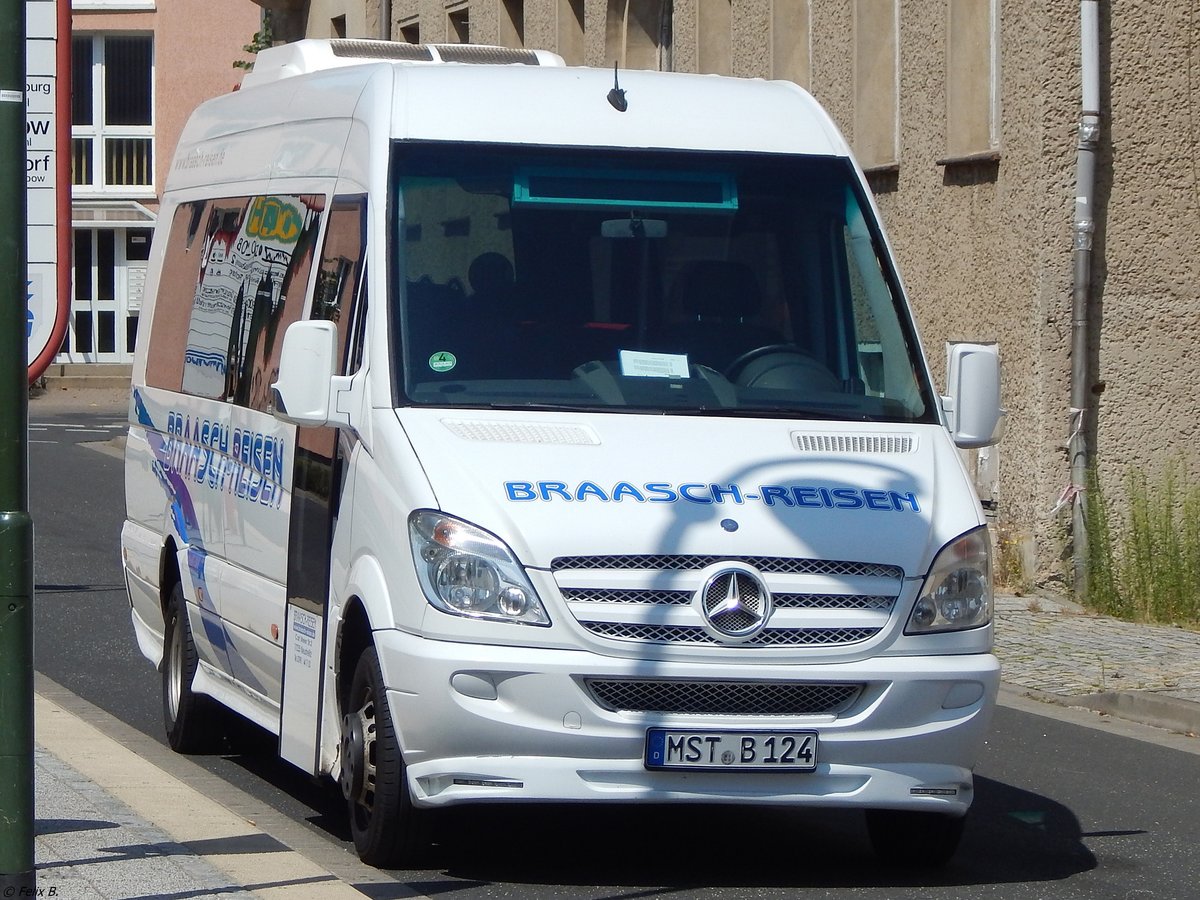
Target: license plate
<point>790,751</point>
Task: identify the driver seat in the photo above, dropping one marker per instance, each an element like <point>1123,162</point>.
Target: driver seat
<point>720,299</point>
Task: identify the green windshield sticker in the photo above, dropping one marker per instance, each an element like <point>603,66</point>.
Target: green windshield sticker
<point>443,361</point>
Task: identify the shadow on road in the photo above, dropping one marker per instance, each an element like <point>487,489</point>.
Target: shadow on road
<point>1011,836</point>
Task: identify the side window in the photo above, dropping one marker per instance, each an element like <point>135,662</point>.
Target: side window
<point>340,271</point>
<point>176,293</point>
<point>234,277</point>
<point>884,359</point>
<point>318,467</point>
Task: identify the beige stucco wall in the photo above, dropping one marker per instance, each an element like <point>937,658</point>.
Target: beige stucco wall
<point>985,248</point>
<point>359,20</point>
<point>1151,242</point>
<point>195,45</point>
<point>986,252</point>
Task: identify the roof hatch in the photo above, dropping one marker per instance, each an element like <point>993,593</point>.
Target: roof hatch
<point>310,55</point>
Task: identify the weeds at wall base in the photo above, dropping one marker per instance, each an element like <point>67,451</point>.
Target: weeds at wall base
<point>1144,553</point>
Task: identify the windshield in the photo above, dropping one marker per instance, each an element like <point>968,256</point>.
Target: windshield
<point>735,284</point>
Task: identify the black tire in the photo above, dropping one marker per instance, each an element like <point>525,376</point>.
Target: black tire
<point>388,830</point>
<point>914,839</point>
<point>193,721</point>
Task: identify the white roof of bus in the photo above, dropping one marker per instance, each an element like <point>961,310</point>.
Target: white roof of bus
<point>569,106</point>
<point>543,103</point>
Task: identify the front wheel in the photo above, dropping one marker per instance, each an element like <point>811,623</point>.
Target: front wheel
<point>388,830</point>
<point>193,721</point>
<point>912,838</point>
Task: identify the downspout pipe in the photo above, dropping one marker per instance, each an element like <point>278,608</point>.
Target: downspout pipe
<point>385,20</point>
<point>1083,228</point>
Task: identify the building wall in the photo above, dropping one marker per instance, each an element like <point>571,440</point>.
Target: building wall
<point>984,239</point>
<point>195,45</point>
<point>986,247</point>
<point>327,18</point>
<point>1150,263</point>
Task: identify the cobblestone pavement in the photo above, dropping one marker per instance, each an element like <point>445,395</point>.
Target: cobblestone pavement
<point>1055,647</point>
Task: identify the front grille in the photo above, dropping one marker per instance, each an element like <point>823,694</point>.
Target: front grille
<point>766,564</point>
<point>600,595</point>
<point>711,601</point>
<point>691,634</point>
<point>723,698</point>
<point>833,601</point>
<point>683,598</point>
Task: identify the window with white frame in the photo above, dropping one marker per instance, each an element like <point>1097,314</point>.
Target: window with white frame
<point>112,113</point>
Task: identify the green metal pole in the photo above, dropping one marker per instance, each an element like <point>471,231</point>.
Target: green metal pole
<point>16,526</point>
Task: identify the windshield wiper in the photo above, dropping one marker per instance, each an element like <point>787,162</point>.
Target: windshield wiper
<point>779,412</point>
<point>549,406</point>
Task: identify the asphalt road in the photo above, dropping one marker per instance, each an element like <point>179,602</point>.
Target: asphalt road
<point>1067,805</point>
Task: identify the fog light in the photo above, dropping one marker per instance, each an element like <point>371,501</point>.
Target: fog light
<point>513,601</point>
<point>924,613</point>
<point>964,693</point>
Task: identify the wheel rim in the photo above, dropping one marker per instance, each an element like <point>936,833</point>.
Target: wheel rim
<point>358,759</point>
<point>175,669</point>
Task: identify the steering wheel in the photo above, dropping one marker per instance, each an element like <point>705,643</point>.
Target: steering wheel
<point>782,366</point>
<point>735,368</point>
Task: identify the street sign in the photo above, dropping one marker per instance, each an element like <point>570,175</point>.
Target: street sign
<point>48,308</point>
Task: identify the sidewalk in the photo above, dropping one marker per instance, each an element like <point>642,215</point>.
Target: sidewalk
<point>111,823</point>
<point>91,845</point>
<point>1055,651</point>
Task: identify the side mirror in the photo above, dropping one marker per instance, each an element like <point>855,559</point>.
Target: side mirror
<point>973,412</point>
<point>306,369</point>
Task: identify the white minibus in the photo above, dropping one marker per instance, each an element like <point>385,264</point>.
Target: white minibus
<point>505,432</point>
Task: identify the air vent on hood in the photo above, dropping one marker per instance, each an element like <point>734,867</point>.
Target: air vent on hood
<point>825,442</point>
<point>522,432</point>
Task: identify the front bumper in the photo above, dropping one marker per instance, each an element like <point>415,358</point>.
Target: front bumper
<point>487,723</point>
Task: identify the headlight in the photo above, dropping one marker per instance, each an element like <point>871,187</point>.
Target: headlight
<point>957,593</point>
<point>467,572</point>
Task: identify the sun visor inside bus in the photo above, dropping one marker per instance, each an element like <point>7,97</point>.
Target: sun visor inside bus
<point>643,190</point>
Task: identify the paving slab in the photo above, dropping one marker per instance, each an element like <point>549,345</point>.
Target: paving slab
<point>1059,652</point>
